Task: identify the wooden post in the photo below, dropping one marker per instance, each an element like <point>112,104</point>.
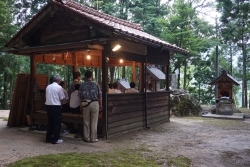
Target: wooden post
<point>133,72</point>
<point>105,52</point>
<point>142,77</point>
<point>32,82</point>
<point>75,67</point>
<point>167,73</point>
<point>167,81</point>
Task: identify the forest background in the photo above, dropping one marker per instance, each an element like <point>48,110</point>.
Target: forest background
<point>179,22</point>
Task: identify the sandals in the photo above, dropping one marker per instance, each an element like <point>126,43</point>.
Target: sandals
<point>38,128</point>
<point>33,127</point>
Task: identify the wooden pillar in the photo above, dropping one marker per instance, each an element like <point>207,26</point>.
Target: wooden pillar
<point>142,77</point>
<point>105,53</point>
<point>133,72</point>
<point>167,72</point>
<point>32,82</point>
<point>75,67</point>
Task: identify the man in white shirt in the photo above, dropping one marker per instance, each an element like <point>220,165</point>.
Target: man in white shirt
<point>54,96</point>
<point>132,88</point>
<point>75,101</point>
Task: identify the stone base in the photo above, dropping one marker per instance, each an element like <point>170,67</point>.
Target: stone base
<point>235,116</point>
<point>225,109</point>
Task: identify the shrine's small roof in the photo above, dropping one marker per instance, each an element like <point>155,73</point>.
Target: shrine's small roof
<point>156,73</point>
<point>225,77</point>
<point>124,83</point>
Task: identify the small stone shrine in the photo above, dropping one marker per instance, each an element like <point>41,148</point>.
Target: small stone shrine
<point>224,100</point>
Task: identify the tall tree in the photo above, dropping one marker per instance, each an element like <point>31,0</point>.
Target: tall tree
<point>236,29</point>
<point>184,28</point>
<point>9,64</point>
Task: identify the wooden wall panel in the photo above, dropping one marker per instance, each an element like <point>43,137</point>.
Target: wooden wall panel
<point>157,107</point>
<point>18,103</point>
<point>126,111</point>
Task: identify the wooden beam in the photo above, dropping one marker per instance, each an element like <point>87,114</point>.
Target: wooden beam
<point>127,56</point>
<point>131,47</point>
<point>65,46</point>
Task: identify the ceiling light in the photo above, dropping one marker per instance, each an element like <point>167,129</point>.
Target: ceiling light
<point>88,55</point>
<point>121,61</point>
<point>116,47</point>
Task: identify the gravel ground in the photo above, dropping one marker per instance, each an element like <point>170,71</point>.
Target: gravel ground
<point>207,142</point>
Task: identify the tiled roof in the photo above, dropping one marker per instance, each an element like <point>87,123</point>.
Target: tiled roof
<point>118,26</point>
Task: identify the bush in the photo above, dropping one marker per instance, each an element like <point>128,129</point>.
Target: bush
<point>184,105</point>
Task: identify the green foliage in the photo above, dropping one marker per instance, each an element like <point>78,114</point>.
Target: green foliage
<point>180,161</point>
<point>235,31</point>
<point>184,105</point>
<point>148,14</point>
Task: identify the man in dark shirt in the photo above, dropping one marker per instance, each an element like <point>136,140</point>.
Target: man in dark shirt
<point>91,97</point>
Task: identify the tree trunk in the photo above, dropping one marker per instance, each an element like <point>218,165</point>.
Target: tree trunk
<point>123,72</point>
<point>231,59</point>
<point>112,73</point>
<point>179,76</point>
<point>244,80</point>
<point>199,92</point>
<point>5,97</point>
<point>185,74</point>
<point>216,70</point>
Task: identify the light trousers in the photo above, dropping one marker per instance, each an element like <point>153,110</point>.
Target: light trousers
<point>90,120</point>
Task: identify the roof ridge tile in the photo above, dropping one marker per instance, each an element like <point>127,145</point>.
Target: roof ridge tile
<point>90,10</point>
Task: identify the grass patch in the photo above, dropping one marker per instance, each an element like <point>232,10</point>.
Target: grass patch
<point>102,159</point>
<point>227,155</point>
<point>179,161</point>
<point>4,118</point>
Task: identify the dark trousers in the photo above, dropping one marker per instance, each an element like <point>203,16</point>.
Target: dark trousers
<point>75,110</point>
<point>54,123</point>
<point>65,107</point>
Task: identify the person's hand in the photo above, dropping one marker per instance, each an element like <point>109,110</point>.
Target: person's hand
<point>100,108</point>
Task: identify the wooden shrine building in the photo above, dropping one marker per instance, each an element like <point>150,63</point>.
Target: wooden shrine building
<point>225,103</point>
<point>75,35</point>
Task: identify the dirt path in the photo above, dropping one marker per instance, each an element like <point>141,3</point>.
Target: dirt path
<point>207,142</point>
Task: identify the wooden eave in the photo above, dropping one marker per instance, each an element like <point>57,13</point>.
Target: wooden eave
<point>150,43</point>
<point>87,44</point>
<point>227,77</point>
